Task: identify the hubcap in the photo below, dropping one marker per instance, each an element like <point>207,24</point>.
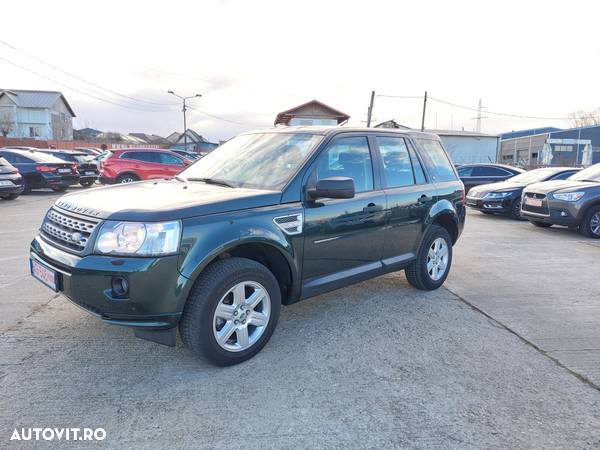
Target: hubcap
<point>437,259</point>
<point>127,180</point>
<point>242,316</point>
<point>595,224</point>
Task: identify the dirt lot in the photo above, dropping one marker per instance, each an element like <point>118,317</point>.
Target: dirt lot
<point>507,355</point>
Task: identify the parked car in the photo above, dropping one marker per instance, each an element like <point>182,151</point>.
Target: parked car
<point>271,218</point>
<point>92,151</point>
<point>128,165</point>
<point>86,166</point>
<point>40,170</point>
<point>505,197</point>
<point>19,147</point>
<point>476,174</point>
<point>574,202</point>
<point>11,182</point>
<point>188,155</point>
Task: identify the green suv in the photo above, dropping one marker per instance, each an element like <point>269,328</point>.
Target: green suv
<point>269,218</point>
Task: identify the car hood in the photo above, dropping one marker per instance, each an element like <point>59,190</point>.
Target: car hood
<point>502,186</point>
<point>561,185</point>
<point>164,200</point>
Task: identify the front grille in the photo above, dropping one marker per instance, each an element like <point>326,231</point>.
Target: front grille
<point>535,209</point>
<point>69,231</point>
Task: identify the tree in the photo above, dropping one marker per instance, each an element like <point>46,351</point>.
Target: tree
<point>582,118</point>
<point>7,123</point>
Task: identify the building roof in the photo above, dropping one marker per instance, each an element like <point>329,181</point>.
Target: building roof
<point>192,137</point>
<point>35,99</point>
<point>528,132</point>
<point>285,116</point>
<point>173,137</point>
<point>462,133</point>
<point>391,124</point>
<point>151,138</point>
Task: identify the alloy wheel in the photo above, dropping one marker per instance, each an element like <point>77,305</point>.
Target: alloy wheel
<point>595,224</point>
<point>242,316</point>
<point>437,259</point>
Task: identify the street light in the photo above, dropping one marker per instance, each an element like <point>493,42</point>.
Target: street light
<point>184,110</point>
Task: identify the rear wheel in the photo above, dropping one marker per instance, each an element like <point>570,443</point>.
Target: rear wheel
<point>590,226</point>
<point>231,312</point>
<point>541,224</point>
<point>10,196</point>
<point>127,178</point>
<point>86,183</point>
<point>434,258</point>
<point>26,186</point>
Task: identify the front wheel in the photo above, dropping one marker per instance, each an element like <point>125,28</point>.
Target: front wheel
<point>590,226</point>
<point>515,211</point>
<point>10,196</point>
<point>434,258</point>
<point>127,178</point>
<point>231,312</point>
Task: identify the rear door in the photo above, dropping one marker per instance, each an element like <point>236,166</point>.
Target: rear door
<point>409,196</point>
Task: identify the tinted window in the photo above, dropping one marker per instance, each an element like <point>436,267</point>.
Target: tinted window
<point>563,175</point>
<point>165,158</point>
<point>465,171</point>
<point>418,169</point>
<point>347,157</point>
<point>141,156</point>
<point>486,171</point>
<point>439,160</point>
<point>15,158</point>
<point>399,166</point>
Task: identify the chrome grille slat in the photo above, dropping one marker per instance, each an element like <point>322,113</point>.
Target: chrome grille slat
<point>60,228</point>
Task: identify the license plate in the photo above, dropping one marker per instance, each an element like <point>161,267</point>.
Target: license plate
<point>47,276</point>
<point>64,170</point>
<point>6,183</point>
<point>89,173</point>
<point>533,201</point>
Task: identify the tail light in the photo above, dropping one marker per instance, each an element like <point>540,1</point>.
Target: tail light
<point>45,169</point>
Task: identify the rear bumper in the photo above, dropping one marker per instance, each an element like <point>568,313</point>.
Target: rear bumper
<point>14,189</point>
<point>157,291</point>
<point>60,180</point>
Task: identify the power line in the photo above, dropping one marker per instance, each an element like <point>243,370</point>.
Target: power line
<point>82,79</point>
<point>222,118</point>
<point>83,92</point>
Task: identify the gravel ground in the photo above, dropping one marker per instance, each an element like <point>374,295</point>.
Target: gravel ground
<point>378,364</point>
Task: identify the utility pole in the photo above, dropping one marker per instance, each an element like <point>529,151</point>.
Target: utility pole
<point>184,110</point>
<point>478,126</point>
<point>370,110</point>
<point>424,107</point>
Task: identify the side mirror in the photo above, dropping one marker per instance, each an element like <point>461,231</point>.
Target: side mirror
<point>333,187</point>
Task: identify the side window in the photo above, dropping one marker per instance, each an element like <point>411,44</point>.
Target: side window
<point>9,157</point>
<point>563,175</point>
<point>465,171</point>
<point>438,159</point>
<point>13,158</point>
<point>418,169</point>
<point>397,166</point>
<point>165,158</point>
<point>485,171</point>
<point>347,157</point>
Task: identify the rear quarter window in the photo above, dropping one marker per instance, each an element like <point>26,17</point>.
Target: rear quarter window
<point>438,161</point>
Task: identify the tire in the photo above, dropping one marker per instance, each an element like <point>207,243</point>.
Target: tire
<point>127,178</point>
<point>59,188</point>
<point>417,272</point>
<point>541,224</point>
<point>26,186</point>
<point>489,213</point>
<point>10,196</point>
<point>515,210</point>
<point>200,321</point>
<point>87,183</point>
<point>590,226</point>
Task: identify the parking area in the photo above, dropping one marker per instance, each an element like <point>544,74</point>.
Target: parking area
<point>507,354</point>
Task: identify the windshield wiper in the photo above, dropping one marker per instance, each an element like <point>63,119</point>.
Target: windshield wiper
<point>212,181</point>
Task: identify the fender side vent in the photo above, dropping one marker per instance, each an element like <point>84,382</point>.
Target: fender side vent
<point>291,224</point>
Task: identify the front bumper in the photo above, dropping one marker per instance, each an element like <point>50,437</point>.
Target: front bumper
<point>496,205</point>
<point>558,212</point>
<point>157,291</point>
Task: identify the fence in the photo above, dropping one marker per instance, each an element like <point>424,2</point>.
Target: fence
<point>5,142</point>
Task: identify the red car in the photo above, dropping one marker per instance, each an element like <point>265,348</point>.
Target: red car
<point>134,164</point>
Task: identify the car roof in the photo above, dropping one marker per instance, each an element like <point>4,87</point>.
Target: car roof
<point>60,150</point>
<point>332,130</point>
<point>138,149</point>
<point>36,155</point>
<point>502,166</point>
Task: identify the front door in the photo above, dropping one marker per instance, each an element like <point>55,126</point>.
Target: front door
<point>343,238</point>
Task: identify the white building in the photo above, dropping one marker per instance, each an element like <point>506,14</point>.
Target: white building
<point>43,115</point>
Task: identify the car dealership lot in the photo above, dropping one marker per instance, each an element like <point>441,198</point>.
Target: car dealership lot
<point>507,356</point>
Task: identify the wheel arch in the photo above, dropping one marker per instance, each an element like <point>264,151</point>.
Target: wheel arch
<point>444,214</point>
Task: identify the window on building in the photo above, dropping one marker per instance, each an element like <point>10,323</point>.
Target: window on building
<point>34,132</point>
<point>509,157</point>
<point>563,148</point>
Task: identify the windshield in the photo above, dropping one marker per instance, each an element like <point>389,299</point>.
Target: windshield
<point>592,173</point>
<point>260,160</point>
<point>533,176</point>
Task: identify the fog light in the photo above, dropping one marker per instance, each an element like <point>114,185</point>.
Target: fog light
<point>564,214</point>
<point>120,287</point>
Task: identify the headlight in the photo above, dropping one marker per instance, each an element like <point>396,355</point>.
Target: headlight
<point>497,194</point>
<point>140,239</point>
<point>569,196</point>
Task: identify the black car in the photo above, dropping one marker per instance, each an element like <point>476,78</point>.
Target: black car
<point>505,197</point>
<point>271,218</point>
<point>11,182</point>
<point>40,170</point>
<point>476,174</point>
<point>86,166</point>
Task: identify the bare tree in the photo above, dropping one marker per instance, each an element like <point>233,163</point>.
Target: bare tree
<point>7,123</point>
<point>582,118</point>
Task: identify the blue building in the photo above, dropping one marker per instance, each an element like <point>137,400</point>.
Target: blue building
<point>551,146</point>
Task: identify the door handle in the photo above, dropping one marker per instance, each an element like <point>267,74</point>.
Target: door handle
<point>424,199</point>
<point>372,208</point>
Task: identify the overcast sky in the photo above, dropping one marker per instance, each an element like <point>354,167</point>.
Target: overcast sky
<point>252,59</point>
